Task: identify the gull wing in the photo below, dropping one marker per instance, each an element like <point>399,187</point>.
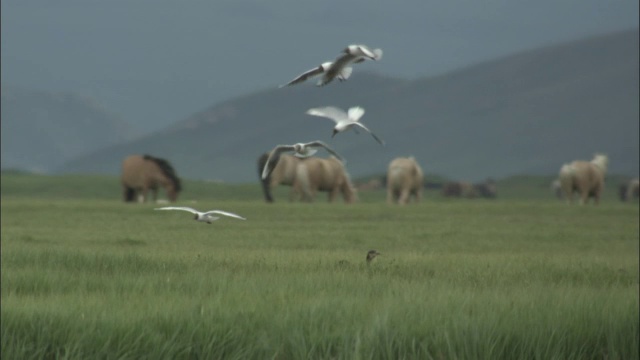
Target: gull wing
<point>336,68</point>
<point>345,73</point>
<point>224,213</point>
<point>319,143</point>
<point>304,76</point>
<point>182,208</point>
<point>277,150</point>
<point>380,141</point>
<point>367,52</point>
<point>355,113</point>
<point>377,54</point>
<point>331,112</point>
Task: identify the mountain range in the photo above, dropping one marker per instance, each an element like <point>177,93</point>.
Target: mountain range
<point>41,130</point>
<point>527,113</point>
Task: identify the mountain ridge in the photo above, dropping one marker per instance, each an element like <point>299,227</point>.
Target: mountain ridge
<point>524,113</point>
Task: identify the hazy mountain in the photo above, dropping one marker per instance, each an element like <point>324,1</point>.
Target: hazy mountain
<point>525,113</point>
<point>155,62</point>
<point>41,130</point>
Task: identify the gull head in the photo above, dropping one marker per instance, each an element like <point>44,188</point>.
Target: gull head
<point>195,217</point>
<point>335,131</point>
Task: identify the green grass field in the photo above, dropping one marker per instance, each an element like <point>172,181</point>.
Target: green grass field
<point>85,276</point>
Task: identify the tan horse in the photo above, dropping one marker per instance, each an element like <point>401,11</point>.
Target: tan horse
<point>283,173</point>
<point>630,190</point>
<point>315,174</point>
<point>584,177</point>
<point>141,173</point>
<point>404,180</point>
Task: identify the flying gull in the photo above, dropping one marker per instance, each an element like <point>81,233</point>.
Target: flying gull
<point>301,150</point>
<point>344,121</point>
<point>339,68</point>
<point>203,216</point>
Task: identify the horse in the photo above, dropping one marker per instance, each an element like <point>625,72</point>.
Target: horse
<point>283,172</point>
<point>141,173</point>
<point>404,180</point>
<point>315,174</point>
<point>584,177</point>
<point>487,189</point>
<point>630,190</point>
<point>459,189</point>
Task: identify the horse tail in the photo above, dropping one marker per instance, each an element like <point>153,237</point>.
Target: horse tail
<point>266,189</point>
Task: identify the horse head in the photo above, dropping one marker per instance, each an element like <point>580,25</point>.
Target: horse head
<point>601,161</point>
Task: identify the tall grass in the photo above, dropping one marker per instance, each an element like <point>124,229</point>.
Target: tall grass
<point>516,279</point>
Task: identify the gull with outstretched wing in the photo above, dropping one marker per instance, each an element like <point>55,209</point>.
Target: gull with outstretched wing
<point>207,216</point>
<point>301,150</point>
<point>344,120</point>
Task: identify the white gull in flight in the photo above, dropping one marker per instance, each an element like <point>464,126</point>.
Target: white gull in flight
<point>344,120</point>
<point>203,216</point>
<point>339,68</point>
<point>301,150</point>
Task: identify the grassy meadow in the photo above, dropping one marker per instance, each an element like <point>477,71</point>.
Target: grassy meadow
<point>85,276</point>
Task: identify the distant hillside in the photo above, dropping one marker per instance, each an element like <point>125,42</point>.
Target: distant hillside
<point>42,130</point>
<point>523,114</point>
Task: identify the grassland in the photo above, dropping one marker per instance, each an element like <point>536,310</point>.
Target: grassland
<point>87,276</point>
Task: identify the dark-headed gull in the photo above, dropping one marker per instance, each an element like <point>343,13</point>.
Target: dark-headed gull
<point>344,121</point>
<point>339,68</point>
<point>351,54</point>
<point>203,216</point>
<point>301,150</point>
<point>322,68</point>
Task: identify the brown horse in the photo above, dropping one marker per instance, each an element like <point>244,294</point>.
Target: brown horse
<point>315,174</point>
<point>141,173</point>
<point>283,172</point>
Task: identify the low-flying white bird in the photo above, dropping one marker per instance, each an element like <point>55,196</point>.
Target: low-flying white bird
<point>301,150</point>
<point>203,216</point>
<point>344,121</point>
<point>339,68</point>
<point>322,68</point>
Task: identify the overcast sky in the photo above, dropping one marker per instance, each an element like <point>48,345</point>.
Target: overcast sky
<point>155,62</point>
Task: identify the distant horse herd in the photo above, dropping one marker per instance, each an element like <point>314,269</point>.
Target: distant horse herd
<point>404,180</point>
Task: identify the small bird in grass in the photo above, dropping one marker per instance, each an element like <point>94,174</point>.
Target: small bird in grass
<point>301,150</point>
<point>371,255</point>
<point>344,120</point>
<point>203,216</point>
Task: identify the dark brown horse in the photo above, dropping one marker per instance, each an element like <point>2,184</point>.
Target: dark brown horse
<point>141,173</point>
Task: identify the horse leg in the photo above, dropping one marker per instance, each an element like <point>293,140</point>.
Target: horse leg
<point>333,193</point>
<point>390,197</point>
<point>404,196</point>
<point>142,195</point>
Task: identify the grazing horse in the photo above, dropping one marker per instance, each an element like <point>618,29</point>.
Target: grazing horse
<point>459,189</point>
<point>283,172</point>
<point>630,190</point>
<point>141,173</point>
<point>584,177</point>
<point>404,180</point>
<point>315,174</point>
